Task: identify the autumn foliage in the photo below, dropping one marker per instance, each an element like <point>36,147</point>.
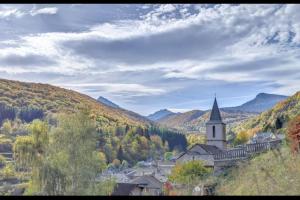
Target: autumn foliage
<point>294,134</point>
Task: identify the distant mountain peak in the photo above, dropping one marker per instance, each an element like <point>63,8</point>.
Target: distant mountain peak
<point>262,95</point>
<point>162,113</point>
<point>261,102</point>
<point>107,102</point>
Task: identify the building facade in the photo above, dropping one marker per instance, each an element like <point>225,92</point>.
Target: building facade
<point>216,129</point>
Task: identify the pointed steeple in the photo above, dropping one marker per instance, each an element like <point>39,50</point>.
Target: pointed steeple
<point>215,112</point>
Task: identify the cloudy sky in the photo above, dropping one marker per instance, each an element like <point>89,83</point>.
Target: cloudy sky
<point>149,57</point>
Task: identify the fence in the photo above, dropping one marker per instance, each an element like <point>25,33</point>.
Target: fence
<point>247,150</point>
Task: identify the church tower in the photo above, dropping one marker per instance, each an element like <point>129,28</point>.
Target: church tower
<point>215,128</point>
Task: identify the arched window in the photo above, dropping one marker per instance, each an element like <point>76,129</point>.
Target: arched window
<point>214,131</point>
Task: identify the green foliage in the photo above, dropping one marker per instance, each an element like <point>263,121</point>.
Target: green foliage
<point>7,127</point>
<point>195,139</point>
<point>8,171</point>
<point>2,160</point>
<point>168,155</point>
<point>64,161</point>
<point>189,172</point>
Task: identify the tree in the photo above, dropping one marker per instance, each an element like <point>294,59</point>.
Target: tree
<point>189,171</point>
<point>120,153</point>
<point>116,163</point>
<point>73,153</point>
<point>103,161</point>
<point>8,171</point>
<point>168,155</point>
<point>28,114</point>
<point>124,164</point>
<point>7,127</point>
<point>29,150</point>
<point>241,138</point>
<point>195,139</point>
<point>7,112</point>
<point>294,134</point>
<point>65,161</point>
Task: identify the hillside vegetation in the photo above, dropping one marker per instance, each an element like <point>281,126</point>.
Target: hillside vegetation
<point>194,121</point>
<point>54,99</point>
<point>121,135</point>
<point>275,119</point>
<point>271,173</point>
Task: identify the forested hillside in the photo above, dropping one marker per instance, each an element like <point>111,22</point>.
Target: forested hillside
<point>51,99</point>
<point>121,135</point>
<point>275,119</point>
<point>194,121</point>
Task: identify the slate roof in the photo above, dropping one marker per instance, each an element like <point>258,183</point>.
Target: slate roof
<point>215,115</point>
<point>210,149</point>
<point>148,181</point>
<point>123,189</point>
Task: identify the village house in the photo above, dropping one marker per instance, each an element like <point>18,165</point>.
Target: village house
<point>150,184</point>
<point>138,186</point>
<point>262,137</point>
<point>127,189</point>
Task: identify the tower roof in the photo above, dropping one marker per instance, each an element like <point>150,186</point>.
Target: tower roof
<point>215,112</point>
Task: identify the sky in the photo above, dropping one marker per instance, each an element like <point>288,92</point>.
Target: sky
<point>147,57</point>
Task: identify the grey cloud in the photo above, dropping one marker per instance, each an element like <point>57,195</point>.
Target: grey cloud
<point>28,60</point>
<point>253,65</point>
<point>190,43</point>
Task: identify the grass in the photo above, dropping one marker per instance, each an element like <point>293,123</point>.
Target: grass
<point>276,172</point>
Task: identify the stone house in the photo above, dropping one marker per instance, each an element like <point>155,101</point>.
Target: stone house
<point>149,184</point>
<point>127,189</point>
<point>202,152</point>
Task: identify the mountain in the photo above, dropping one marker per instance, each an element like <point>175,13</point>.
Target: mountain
<point>158,115</point>
<point>54,99</point>
<point>107,102</point>
<point>260,103</point>
<point>179,120</point>
<point>194,121</point>
<point>274,119</point>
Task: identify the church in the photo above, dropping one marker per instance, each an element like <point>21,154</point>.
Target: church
<point>216,140</point>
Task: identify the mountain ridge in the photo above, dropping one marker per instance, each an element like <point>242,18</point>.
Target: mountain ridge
<point>107,102</point>
<point>54,99</point>
<point>162,113</point>
<point>261,102</point>
<point>187,122</point>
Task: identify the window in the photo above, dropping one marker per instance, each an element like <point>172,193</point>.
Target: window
<point>214,131</point>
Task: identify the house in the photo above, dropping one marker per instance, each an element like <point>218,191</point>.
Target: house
<point>127,189</point>
<point>202,152</point>
<point>149,184</point>
<point>262,137</point>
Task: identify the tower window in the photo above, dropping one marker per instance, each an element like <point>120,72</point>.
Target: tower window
<point>214,131</point>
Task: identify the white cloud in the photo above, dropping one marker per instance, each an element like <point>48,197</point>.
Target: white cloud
<point>11,12</point>
<point>117,88</point>
<point>253,32</point>
<point>44,11</point>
